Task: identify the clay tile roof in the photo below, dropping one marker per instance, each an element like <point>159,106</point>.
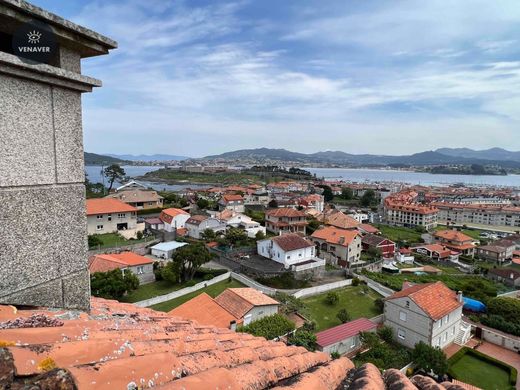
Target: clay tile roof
<point>291,242</point>
<point>285,212</point>
<point>197,219</point>
<point>507,273</point>
<point>121,260</point>
<point>254,296</point>
<point>344,331</point>
<point>239,301</point>
<point>338,219</point>
<point>435,299</point>
<point>373,240</point>
<point>334,235</point>
<point>232,197</point>
<point>368,228</point>
<point>173,212</point>
<point>107,206</point>
<point>205,310</point>
<point>452,235</point>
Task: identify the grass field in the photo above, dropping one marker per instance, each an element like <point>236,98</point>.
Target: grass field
<point>397,233</point>
<point>354,299</point>
<point>110,240</point>
<point>212,291</point>
<point>475,371</point>
<point>154,289</point>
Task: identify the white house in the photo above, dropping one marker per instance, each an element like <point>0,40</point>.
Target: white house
<point>344,338</point>
<point>173,219</point>
<point>232,202</point>
<point>107,215</point>
<point>431,313</point>
<point>289,249</point>
<point>165,250</point>
<point>239,220</point>
<point>196,224</point>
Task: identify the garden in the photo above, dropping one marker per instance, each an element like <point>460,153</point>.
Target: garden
<point>473,367</point>
<point>111,240</point>
<point>400,234</point>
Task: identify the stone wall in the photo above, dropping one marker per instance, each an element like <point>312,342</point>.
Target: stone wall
<point>43,242</point>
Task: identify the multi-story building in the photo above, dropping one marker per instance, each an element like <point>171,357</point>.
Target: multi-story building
<point>431,313</point>
<point>378,243</point>
<point>233,202</point>
<point>107,215</point>
<point>402,209</point>
<point>495,253</point>
<point>456,241</point>
<point>338,246</point>
<point>173,219</point>
<point>137,195</point>
<point>285,220</point>
<point>492,215</point>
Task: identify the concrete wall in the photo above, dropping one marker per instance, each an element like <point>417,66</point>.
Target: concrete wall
<point>147,276</point>
<point>311,291</point>
<point>43,245</point>
<point>259,312</point>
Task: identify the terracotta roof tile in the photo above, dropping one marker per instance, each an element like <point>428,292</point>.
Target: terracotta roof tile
<point>254,297</point>
<point>291,242</point>
<point>334,235</point>
<point>436,299</point>
<point>338,219</point>
<point>452,235</point>
<point>110,261</point>
<point>285,212</point>
<point>107,206</point>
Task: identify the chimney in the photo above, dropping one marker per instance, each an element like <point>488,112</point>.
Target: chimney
<point>43,230</point>
<point>459,296</point>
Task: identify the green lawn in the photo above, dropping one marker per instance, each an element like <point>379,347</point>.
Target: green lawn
<point>358,304</point>
<point>397,233</point>
<point>110,240</point>
<point>472,370</point>
<point>154,289</point>
<point>212,290</point>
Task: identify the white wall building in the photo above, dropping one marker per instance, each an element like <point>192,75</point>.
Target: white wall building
<point>173,219</point>
<point>288,249</point>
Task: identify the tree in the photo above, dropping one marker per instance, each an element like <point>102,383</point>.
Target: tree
<point>369,339</point>
<point>186,261</point>
<point>313,225</point>
<point>430,358</point>
<point>328,195</point>
<point>347,193</point>
<point>259,235</point>
<point>94,240</point>
<point>112,173</point>
<point>93,190</point>
<point>202,203</point>
<point>386,334</point>
<point>303,338</point>
<point>508,308</point>
<point>343,316</point>
<point>269,327</point>
<point>208,235</point>
<point>113,284</point>
<point>368,198</point>
<point>235,236</point>
<point>332,298</point>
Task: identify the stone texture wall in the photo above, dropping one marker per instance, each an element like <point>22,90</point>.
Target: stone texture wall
<point>43,229</point>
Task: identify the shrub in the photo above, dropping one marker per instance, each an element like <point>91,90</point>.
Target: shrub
<point>380,304</point>
<point>335,355</point>
<point>332,298</point>
<point>508,308</point>
<point>430,358</point>
<point>289,303</point>
<point>113,284</point>
<point>343,316</point>
<point>303,338</point>
<point>386,334</point>
<point>139,235</point>
<point>94,240</point>
<point>355,282</point>
<point>208,277</point>
<point>269,327</point>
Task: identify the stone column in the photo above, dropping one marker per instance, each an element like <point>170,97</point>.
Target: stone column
<point>43,240</point>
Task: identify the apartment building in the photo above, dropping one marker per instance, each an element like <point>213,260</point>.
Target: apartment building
<point>410,215</point>
<point>492,215</point>
<point>285,220</point>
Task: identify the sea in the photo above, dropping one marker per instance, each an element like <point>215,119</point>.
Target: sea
<point>351,175</point>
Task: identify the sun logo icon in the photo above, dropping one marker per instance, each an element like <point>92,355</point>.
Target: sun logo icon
<point>34,36</point>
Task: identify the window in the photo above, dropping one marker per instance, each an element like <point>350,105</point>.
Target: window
<point>99,216</point>
<point>453,330</point>
<point>402,316</point>
<point>401,333</point>
<point>121,215</point>
<point>440,323</point>
<point>99,227</point>
<point>445,336</point>
<point>353,343</point>
<point>288,257</point>
<point>407,303</point>
<point>140,270</point>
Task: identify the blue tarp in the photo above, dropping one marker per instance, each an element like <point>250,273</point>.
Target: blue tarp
<point>473,305</point>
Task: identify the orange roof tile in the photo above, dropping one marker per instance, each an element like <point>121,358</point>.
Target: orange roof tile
<point>291,242</point>
<point>205,310</point>
<point>107,206</point>
<point>173,212</point>
<point>254,296</point>
<point>285,212</point>
<point>435,299</point>
<point>452,235</point>
<point>338,219</point>
<point>336,236</point>
<point>105,262</point>
<point>232,198</point>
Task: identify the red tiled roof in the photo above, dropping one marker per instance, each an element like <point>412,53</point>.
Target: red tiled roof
<point>107,206</point>
<point>334,235</point>
<point>452,235</point>
<point>291,242</point>
<point>368,228</point>
<point>232,198</point>
<point>107,262</point>
<point>435,299</point>
<point>285,212</point>
<point>205,310</point>
<point>173,212</point>
<point>254,296</point>
<point>440,249</point>
<point>344,331</point>
<point>196,219</point>
<point>338,219</point>
<point>239,301</point>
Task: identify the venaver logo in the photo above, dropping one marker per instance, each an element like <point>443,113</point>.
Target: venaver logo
<point>35,42</point>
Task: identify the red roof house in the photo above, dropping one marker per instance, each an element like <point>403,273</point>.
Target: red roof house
<point>344,338</point>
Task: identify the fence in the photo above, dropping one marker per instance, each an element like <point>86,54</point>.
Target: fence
<point>254,284</point>
<point>308,292</point>
<point>315,264</point>
<point>377,287</point>
<point>184,291</point>
<point>139,246</point>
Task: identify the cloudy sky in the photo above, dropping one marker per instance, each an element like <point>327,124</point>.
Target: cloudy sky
<point>388,77</point>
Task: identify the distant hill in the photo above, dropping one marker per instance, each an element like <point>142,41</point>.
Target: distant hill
<point>338,157</point>
<point>149,157</point>
<point>98,159</point>
<point>487,154</point>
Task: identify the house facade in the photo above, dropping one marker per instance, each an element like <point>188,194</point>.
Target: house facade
<point>382,244</point>
<point>107,215</point>
<point>196,224</point>
<point>232,202</point>
<point>247,304</point>
<point>494,253</point>
<point>285,220</point>
<point>140,266</point>
<point>173,219</point>
<point>242,221</point>
<point>508,276</point>
<point>402,209</point>
<point>138,196</point>
<point>436,252</point>
<point>337,246</point>
<point>431,313</point>
<point>288,249</point>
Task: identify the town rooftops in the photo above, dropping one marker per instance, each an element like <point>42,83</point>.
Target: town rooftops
<point>285,212</point>
<point>107,262</point>
<point>435,299</point>
<point>122,346</point>
<point>206,311</point>
<point>173,212</point>
<point>291,242</point>
<point>338,219</point>
<point>344,331</point>
<point>232,198</point>
<point>107,206</point>
<point>452,235</point>
<point>334,235</point>
<point>438,248</point>
<point>134,195</point>
<point>365,227</point>
<point>492,248</point>
<point>239,301</point>
<point>196,219</point>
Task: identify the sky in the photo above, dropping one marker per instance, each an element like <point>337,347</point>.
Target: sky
<point>196,78</point>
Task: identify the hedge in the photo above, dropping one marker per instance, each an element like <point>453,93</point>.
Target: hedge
<point>488,359</point>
